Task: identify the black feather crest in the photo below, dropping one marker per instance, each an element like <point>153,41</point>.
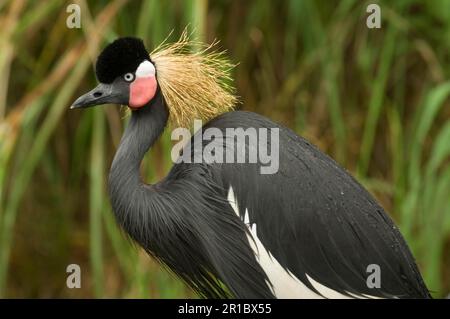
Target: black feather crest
<point>121,56</point>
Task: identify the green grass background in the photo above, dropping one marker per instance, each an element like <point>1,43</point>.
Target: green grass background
<point>377,100</point>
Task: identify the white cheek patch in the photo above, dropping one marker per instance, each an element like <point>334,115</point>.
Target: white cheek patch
<point>145,69</point>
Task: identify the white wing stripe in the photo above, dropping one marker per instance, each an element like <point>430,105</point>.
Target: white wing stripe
<point>283,283</point>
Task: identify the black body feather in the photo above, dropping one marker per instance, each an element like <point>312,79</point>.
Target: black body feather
<point>312,216</point>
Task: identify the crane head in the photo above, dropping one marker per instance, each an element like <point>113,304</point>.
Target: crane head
<point>126,74</point>
<point>193,78</point>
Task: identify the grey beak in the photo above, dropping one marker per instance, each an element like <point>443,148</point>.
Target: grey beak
<point>114,93</point>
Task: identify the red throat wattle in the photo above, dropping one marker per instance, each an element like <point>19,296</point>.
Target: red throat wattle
<point>142,90</point>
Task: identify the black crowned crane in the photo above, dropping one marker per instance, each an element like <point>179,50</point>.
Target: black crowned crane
<point>308,231</point>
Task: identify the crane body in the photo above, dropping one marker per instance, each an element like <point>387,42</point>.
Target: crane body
<point>308,231</point>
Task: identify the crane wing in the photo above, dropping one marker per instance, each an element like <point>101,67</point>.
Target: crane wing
<point>316,221</point>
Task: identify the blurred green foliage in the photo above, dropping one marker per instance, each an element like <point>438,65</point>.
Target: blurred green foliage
<point>377,100</point>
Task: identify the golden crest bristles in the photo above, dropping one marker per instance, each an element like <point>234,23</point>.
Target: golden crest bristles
<point>194,80</point>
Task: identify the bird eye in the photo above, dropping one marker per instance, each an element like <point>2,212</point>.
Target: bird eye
<point>128,77</point>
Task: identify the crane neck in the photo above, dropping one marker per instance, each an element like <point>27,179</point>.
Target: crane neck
<point>125,184</point>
